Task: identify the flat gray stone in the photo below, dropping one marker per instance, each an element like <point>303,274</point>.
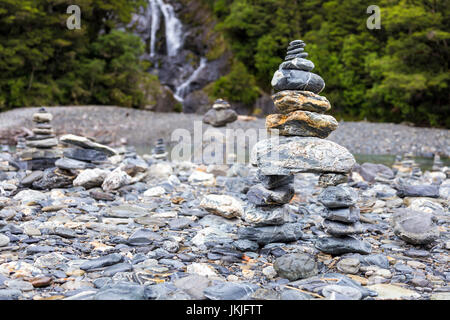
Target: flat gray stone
<point>286,155</point>
<point>337,246</point>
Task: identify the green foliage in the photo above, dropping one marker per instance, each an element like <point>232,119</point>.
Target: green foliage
<point>42,62</point>
<point>398,73</point>
<point>237,86</point>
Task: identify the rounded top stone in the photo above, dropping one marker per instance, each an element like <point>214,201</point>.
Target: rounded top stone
<point>296,42</point>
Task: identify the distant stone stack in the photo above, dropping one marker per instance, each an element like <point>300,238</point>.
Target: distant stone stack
<point>220,114</point>
<point>40,152</point>
<point>301,147</point>
<point>438,165</point>
<point>159,152</point>
<point>408,168</point>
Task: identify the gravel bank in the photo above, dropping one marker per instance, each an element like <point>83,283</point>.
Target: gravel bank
<point>142,128</point>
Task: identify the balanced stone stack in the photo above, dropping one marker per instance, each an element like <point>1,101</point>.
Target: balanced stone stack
<point>301,147</point>
<point>82,153</point>
<point>341,221</point>
<point>220,114</point>
<point>41,152</point>
<point>437,163</point>
<point>159,152</point>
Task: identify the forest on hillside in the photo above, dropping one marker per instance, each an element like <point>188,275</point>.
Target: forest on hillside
<point>397,73</point>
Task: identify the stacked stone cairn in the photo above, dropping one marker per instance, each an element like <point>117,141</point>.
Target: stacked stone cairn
<point>40,150</point>
<point>159,152</point>
<point>220,114</point>
<point>301,147</point>
<point>438,165</point>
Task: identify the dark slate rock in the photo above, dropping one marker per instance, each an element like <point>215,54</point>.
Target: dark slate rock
<point>121,291</point>
<point>336,228</point>
<point>338,197</point>
<point>120,267</point>
<point>220,118</point>
<point>297,64</point>
<point>337,246</point>
<point>246,245</point>
<point>230,291</point>
<point>415,227</point>
<point>261,196</point>
<point>143,237</point>
<point>263,235</point>
<point>84,154</point>
<point>104,261</point>
<point>292,79</point>
<point>71,164</point>
<point>275,181</point>
<point>431,191</point>
<point>302,55</point>
<point>346,215</point>
<point>295,266</point>
<point>52,180</point>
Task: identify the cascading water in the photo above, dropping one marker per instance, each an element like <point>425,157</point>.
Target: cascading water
<point>182,90</point>
<point>174,27</point>
<point>174,67</point>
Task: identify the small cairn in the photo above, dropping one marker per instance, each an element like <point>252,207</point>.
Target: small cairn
<point>220,114</point>
<point>301,147</point>
<point>160,152</point>
<point>438,165</point>
<point>40,150</point>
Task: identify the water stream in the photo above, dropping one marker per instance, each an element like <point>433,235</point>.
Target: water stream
<point>183,89</point>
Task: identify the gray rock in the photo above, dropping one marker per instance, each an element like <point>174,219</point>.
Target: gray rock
<point>289,294</point>
<point>4,240</point>
<point>220,118</point>
<point>32,177</point>
<point>261,196</point>
<point>337,246</point>
<point>338,197</point>
<point>297,79</point>
<point>275,181</point>
<point>431,191</point>
<point>121,291</point>
<point>346,215</point>
<point>90,178</point>
<point>379,260</point>
<point>371,170</point>
<point>263,235</point>
<point>104,261</point>
<point>266,216</point>
<point>332,179</point>
<point>120,267</point>
<point>335,292</point>
<point>300,55</point>
<point>65,233</point>
<point>143,237</point>
<point>246,245</point>
<point>71,164</point>
<point>194,285</point>
<point>128,211</point>
<point>415,227</point>
<point>230,291</point>
<point>338,229</point>
<point>10,294</point>
<point>286,155</point>
<point>87,144</point>
<point>295,266</point>
<point>84,154</point>
<point>52,180</point>
<point>348,265</point>
<point>297,64</point>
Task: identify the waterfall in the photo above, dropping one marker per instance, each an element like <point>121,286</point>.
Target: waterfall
<point>154,11</point>
<point>174,27</point>
<point>182,90</point>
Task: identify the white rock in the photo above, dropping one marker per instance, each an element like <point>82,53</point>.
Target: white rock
<point>202,269</point>
<point>90,178</point>
<point>29,197</point>
<point>269,272</point>
<point>155,192</point>
<point>50,260</point>
<point>222,205</point>
<point>115,179</point>
<point>389,291</point>
<point>203,178</point>
<point>160,170</point>
<point>4,240</point>
<point>86,143</point>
